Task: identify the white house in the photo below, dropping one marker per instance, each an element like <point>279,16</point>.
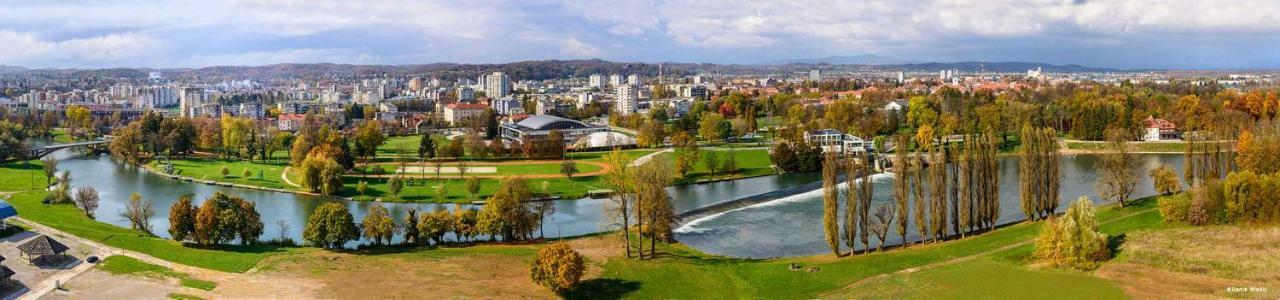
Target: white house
<point>831,140</point>
<point>896,105</point>
<point>1160,130</point>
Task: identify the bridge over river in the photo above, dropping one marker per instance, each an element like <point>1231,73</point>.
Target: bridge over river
<point>41,151</point>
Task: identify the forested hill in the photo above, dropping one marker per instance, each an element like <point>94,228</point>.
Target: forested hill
<point>535,70</point>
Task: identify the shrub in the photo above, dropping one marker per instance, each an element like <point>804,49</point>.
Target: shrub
<point>1073,240</point>
<point>246,173</point>
<point>225,172</point>
<point>557,266</point>
<point>1173,209</point>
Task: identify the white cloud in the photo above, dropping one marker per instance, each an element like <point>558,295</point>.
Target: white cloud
<point>104,50</point>
<point>305,55</point>
<point>573,48</point>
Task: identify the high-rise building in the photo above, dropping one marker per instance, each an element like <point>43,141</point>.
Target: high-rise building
<point>596,81</point>
<point>633,79</point>
<point>189,99</point>
<point>627,99</point>
<point>497,85</point>
<point>815,75</point>
<point>615,80</point>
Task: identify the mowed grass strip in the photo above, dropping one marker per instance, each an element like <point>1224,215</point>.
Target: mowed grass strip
<point>124,265</point>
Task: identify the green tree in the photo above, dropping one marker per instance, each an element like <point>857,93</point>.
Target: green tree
<point>426,147</point>
<point>394,185</point>
<point>378,225</point>
<point>330,226</point>
<point>50,166</point>
<point>709,126</point>
<point>505,214</point>
<point>473,186</point>
<point>568,167</point>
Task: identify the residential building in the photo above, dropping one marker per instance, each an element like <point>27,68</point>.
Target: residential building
<point>497,85</point>
<point>1160,130</point>
<point>596,81</point>
<point>627,99</point>
<point>834,141</point>
<point>458,112</point>
<point>634,79</point>
<point>615,80</point>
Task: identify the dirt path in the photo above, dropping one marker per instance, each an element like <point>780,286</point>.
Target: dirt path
<point>644,159</point>
<point>230,285</point>
<point>857,284</point>
<point>284,176</point>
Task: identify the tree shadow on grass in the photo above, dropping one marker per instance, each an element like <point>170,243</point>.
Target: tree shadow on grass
<point>1114,243</point>
<point>602,288</point>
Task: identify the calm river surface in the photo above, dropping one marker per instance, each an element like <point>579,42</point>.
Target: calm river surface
<point>789,226</point>
<point>115,182</point>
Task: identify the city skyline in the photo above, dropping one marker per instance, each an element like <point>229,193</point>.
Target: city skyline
<point>1113,34</point>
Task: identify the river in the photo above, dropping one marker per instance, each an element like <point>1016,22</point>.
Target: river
<point>116,181</point>
<point>789,226</point>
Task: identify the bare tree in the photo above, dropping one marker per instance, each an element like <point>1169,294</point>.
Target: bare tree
<point>883,220</point>
<point>139,213</point>
<point>87,200</point>
<point>1118,179</point>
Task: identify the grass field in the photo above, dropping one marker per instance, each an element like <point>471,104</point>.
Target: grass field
<point>70,219</point>
<point>210,169</point>
<point>551,168</point>
<point>751,163</point>
<point>124,265</point>
<point>770,279</point>
<point>1171,147</point>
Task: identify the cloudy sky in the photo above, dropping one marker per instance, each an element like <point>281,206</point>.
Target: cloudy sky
<point>180,33</point>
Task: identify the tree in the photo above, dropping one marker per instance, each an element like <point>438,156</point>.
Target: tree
<point>1038,172</point>
<point>368,136</point>
<point>709,126</point>
<point>426,147</point>
<point>558,267</point>
<point>568,167</point>
<point>686,152</point>
<point>13,140</point>
<point>884,219</point>
<point>378,225</point>
<point>182,219</point>
<point>473,186</point>
<point>362,187</point>
<point>77,118</point>
<point>505,215</point>
<point>902,185</point>
<point>1118,179</point>
<point>651,134</point>
<point>246,173</point>
<point>411,226</point>
<point>830,204</point>
<point>50,166</point>
<point>139,213</point>
<point>711,160</point>
<point>653,204</point>
<point>1073,241</point>
<point>321,175</point>
<point>618,179</point>
<point>330,226</point>
<point>394,185</point>
<point>87,200</point>
<point>224,171</point>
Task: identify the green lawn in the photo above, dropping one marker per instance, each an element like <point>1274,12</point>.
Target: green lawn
<point>720,277</point>
<point>124,265</point>
<point>1171,147</point>
<point>455,189</point>
<point>751,163</point>
<point>210,169</point>
<point>70,219</point>
<point>520,169</point>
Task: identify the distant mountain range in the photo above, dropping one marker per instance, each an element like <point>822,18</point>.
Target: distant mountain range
<point>862,59</point>
<point>11,69</point>
<point>548,69</point>
<point>877,62</point>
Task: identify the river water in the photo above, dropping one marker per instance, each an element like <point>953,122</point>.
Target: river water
<point>792,226</point>
<point>116,181</point>
<point>789,226</point>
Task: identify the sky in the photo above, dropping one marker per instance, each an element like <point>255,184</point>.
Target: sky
<point>1178,34</point>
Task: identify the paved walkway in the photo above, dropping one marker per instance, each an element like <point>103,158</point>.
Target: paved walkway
<point>644,159</point>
